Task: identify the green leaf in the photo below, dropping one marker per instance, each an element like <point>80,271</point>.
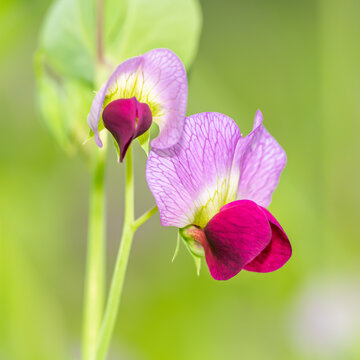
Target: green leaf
<point>131,28</point>
<point>63,105</point>
<point>173,24</point>
<point>50,98</point>
<point>65,44</point>
<point>113,19</point>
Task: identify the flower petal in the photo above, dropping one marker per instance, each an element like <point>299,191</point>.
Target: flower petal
<point>157,78</point>
<point>234,237</point>
<point>167,91</point>
<point>262,162</point>
<point>127,67</point>
<point>276,254</point>
<point>192,180</point>
<point>126,119</point>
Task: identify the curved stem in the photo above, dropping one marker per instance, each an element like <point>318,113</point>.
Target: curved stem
<point>95,271</point>
<point>117,282</point>
<point>145,217</point>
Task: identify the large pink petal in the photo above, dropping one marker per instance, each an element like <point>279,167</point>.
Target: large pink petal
<point>165,70</point>
<point>262,161</point>
<point>276,254</point>
<point>234,237</point>
<point>192,180</point>
<point>157,78</point>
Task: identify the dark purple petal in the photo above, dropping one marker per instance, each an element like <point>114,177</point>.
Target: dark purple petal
<point>144,119</point>
<point>126,119</point>
<point>276,254</point>
<point>234,237</point>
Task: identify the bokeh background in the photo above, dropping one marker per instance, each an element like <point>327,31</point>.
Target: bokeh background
<point>299,62</point>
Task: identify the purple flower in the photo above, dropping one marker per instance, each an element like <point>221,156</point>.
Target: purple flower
<point>215,186</point>
<point>146,88</point>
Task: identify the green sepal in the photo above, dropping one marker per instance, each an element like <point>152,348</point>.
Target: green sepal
<point>177,247</point>
<point>116,148</point>
<point>197,259</point>
<point>144,141</point>
<point>195,249</point>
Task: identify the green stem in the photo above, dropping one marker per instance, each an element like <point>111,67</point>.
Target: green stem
<point>117,282</point>
<point>95,271</point>
<point>145,217</point>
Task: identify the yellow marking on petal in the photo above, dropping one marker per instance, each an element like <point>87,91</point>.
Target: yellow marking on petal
<point>133,84</point>
<point>212,199</point>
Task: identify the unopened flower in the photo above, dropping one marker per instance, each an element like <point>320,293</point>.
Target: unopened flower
<point>215,186</point>
<point>150,87</point>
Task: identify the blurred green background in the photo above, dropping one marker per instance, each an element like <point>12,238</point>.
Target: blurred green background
<point>299,62</point>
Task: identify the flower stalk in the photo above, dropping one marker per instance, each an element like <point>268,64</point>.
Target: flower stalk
<point>145,217</point>
<point>117,282</point>
<point>95,264</point>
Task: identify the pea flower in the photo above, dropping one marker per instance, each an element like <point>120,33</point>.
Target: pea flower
<point>143,89</point>
<point>215,186</point>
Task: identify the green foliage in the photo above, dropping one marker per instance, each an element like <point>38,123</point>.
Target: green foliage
<point>63,104</point>
<point>171,24</point>
<point>68,63</point>
<point>298,63</point>
<point>64,42</point>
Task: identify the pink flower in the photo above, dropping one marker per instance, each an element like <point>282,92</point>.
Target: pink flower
<point>215,186</point>
<point>146,88</point>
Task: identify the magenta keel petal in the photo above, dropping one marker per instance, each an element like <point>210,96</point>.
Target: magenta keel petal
<point>144,119</point>
<point>234,237</point>
<point>276,254</point>
<point>126,119</point>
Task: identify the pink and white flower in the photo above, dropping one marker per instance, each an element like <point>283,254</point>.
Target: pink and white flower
<point>146,88</point>
<point>215,186</point>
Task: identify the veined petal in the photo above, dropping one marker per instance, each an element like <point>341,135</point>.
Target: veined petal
<point>234,237</point>
<point>276,254</point>
<point>192,180</point>
<point>127,67</point>
<point>157,78</point>
<point>262,161</point>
